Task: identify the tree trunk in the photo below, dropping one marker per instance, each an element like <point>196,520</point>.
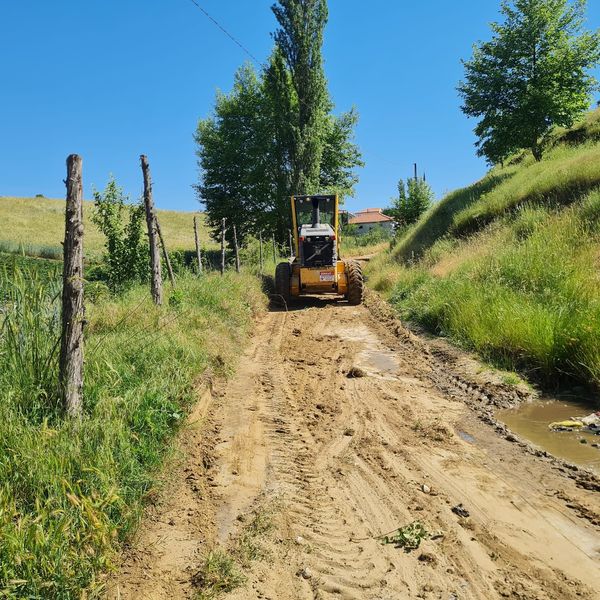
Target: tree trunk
<point>155,267</point>
<point>237,250</point>
<point>73,310</point>
<point>198,250</point>
<point>537,151</point>
<point>274,250</point>
<point>165,253</point>
<point>291,244</point>
<point>223,247</point>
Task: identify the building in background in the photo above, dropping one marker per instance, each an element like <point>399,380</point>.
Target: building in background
<point>371,218</point>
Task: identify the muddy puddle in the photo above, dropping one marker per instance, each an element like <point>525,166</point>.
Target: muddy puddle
<point>377,360</point>
<point>530,421</point>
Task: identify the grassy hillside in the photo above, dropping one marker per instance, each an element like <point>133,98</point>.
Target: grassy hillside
<point>510,266</point>
<point>72,491</point>
<point>36,226</point>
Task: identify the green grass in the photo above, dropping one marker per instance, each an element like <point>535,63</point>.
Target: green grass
<point>14,262</point>
<point>510,266</point>
<point>218,575</point>
<point>35,227</point>
<point>565,174</point>
<point>221,570</point>
<point>71,492</point>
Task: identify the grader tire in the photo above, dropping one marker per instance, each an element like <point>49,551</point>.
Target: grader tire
<point>356,283</point>
<point>283,279</point>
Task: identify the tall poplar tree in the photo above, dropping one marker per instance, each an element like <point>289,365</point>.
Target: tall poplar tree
<point>299,39</point>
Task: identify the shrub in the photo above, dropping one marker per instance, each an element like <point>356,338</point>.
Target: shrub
<point>126,255</point>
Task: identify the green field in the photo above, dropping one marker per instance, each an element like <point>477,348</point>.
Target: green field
<point>35,226</point>
<point>510,266</point>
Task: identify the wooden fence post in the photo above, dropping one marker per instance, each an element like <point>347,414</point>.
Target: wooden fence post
<point>274,250</point>
<point>73,317</point>
<point>198,251</point>
<point>237,250</point>
<point>156,280</point>
<point>223,247</point>
<point>165,253</point>
<point>260,255</point>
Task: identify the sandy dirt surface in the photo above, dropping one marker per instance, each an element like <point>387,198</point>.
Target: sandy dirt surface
<point>342,429</point>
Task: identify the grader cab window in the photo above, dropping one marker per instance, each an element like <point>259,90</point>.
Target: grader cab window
<point>305,206</point>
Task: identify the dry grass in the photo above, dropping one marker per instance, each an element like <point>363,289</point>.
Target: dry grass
<point>37,225</point>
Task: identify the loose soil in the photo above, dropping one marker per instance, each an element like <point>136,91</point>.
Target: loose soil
<point>343,426</point>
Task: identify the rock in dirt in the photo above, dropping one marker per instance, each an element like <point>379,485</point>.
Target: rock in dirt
<point>425,489</point>
<point>356,373</point>
<point>305,573</point>
<point>427,557</point>
<point>461,511</point>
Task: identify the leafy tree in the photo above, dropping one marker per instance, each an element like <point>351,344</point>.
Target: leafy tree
<point>531,76</point>
<point>413,199</point>
<point>275,135</point>
<point>126,256</point>
<point>233,156</point>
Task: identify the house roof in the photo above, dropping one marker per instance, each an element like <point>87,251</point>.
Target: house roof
<point>371,215</point>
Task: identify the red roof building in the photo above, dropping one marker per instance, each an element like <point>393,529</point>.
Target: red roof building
<point>369,218</point>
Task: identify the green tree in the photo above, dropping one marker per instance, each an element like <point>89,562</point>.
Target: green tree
<point>233,157</point>
<point>274,134</point>
<point>531,76</point>
<point>299,40</point>
<point>413,199</point>
<point>126,256</point>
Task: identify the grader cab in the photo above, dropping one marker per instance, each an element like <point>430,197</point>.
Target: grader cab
<point>316,267</point>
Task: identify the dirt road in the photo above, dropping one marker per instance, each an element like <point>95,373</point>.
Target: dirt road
<point>326,464</point>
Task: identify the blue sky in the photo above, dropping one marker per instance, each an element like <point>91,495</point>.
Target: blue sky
<point>111,79</point>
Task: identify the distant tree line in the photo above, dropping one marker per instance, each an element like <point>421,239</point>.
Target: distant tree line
<point>275,133</point>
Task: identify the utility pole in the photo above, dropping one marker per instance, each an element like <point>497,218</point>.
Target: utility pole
<point>73,310</point>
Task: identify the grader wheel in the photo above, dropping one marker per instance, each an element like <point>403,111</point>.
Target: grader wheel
<point>283,278</point>
<point>356,284</point>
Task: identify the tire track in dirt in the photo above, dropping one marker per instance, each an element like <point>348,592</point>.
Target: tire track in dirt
<point>345,460</point>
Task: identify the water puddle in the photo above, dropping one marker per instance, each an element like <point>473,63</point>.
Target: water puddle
<point>372,357</point>
<point>531,420</point>
<point>467,437</point>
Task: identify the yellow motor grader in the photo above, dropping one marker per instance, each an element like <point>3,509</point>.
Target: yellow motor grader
<point>316,267</point>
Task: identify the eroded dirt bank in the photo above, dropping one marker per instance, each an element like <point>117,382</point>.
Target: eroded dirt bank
<point>337,461</point>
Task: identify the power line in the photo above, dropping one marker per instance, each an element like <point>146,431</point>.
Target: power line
<point>229,35</point>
